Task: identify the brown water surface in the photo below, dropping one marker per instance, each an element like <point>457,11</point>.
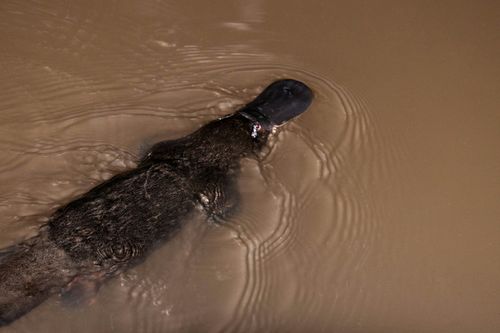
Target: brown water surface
<point>376,211</point>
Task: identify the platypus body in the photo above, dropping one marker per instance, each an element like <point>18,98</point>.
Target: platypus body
<point>116,224</point>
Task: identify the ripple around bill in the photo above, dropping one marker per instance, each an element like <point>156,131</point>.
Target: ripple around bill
<point>333,183</point>
<point>201,84</point>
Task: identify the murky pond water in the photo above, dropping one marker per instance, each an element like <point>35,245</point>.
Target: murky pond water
<point>376,211</point>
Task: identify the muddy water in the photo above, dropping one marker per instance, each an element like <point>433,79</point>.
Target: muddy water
<point>375,211</point>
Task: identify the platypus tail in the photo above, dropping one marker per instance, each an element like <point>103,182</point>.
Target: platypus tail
<point>29,273</point>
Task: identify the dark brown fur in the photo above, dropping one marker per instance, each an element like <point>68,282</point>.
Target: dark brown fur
<point>116,224</point>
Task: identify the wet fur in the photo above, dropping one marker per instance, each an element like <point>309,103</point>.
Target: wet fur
<point>116,224</point>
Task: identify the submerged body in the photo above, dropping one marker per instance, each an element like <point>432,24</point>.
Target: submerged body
<point>116,224</point>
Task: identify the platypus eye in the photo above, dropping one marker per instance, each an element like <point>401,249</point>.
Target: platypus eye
<point>256,127</point>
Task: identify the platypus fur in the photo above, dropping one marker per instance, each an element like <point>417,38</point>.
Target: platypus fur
<point>116,224</point>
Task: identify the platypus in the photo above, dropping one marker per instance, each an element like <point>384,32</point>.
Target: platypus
<point>118,223</point>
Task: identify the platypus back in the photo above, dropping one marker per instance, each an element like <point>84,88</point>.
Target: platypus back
<point>116,224</point>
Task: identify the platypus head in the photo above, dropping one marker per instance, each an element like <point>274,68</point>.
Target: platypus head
<point>278,103</point>
<point>224,141</point>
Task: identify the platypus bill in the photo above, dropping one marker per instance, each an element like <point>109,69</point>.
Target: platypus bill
<point>116,224</point>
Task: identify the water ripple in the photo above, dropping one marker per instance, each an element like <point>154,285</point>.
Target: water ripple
<point>72,118</point>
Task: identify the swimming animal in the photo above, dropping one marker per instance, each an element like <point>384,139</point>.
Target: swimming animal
<point>116,224</point>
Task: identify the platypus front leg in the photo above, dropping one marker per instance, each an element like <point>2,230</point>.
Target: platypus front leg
<point>220,197</point>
